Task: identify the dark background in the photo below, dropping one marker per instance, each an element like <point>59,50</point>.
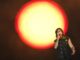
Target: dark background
<point>12,48</point>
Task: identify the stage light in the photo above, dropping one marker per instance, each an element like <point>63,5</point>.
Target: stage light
<point>37,21</point>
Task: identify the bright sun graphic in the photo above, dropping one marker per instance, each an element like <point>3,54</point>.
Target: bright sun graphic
<point>37,21</point>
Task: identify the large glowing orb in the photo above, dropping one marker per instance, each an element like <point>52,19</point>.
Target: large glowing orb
<point>36,23</point>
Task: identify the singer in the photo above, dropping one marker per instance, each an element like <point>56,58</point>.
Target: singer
<point>63,45</point>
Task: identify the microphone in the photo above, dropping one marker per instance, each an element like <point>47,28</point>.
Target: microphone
<point>59,35</point>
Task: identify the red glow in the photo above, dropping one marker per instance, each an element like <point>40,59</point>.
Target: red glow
<point>41,0</point>
<point>26,6</point>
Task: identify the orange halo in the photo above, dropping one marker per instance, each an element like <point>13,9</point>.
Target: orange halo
<point>36,27</point>
<point>41,0</point>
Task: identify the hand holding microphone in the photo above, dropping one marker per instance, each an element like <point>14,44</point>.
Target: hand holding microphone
<point>58,36</point>
<point>56,44</point>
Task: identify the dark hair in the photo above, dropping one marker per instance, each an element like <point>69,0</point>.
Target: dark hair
<point>57,31</point>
